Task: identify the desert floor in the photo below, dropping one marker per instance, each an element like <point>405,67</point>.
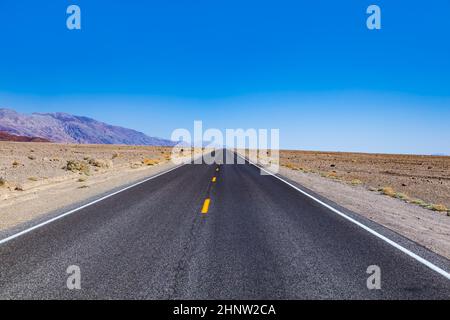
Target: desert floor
<point>424,180</point>
<point>39,178</point>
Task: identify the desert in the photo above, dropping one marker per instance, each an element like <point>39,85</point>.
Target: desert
<point>420,179</point>
<point>40,178</point>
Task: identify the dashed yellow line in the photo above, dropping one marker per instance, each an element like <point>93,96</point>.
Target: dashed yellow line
<point>206,205</point>
<point>214,179</point>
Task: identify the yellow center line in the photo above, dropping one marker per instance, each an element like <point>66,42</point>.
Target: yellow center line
<point>214,179</point>
<point>206,206</point>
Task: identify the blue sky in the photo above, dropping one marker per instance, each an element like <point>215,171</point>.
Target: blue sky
<point>310,68</point>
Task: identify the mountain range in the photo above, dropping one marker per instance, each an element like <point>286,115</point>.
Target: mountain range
<point>66,128</point>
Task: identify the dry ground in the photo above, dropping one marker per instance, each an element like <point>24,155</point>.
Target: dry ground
<point>424,180</point>
<point>37,178</point>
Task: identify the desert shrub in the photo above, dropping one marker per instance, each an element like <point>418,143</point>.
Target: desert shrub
<point>331,174</point>
<point>2,182</point>
<point>388,191</point>
<point>101,163</point>
<point>135,165</point>
<point>419,202</point>
<point>15,163</point>
<point>439,207</point>
<point>82,179</point>
<point>150,162</point>
<point>401,196</point>
<point>289,166</point>
<point>31,157</point>
<point>356,182</point>
<point>33,179</point>
<point>74,165</point>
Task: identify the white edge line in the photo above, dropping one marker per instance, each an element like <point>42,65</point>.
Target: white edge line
<point>359,224</point>
<point>84,206</point>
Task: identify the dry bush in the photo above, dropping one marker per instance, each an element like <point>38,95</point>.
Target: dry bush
<point>388,191</point>
<point>419,202</point>
<point>150,162</point>
<point>2,182</point>
<point>74,165</point>
<point>331,175</point>
<point>135,165</point>
<point>31,157</point>
<point>289,166</point>
<point>33,179</point>
<point>439,207</point>
<point>356,182</point>
<point>101,163</point>
<point>402,196</point>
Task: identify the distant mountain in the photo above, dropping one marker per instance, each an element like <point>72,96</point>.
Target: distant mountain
<point>67,128</point>
<point>4,136</point>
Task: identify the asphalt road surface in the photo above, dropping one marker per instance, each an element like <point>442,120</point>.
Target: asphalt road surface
<point>257,238</point>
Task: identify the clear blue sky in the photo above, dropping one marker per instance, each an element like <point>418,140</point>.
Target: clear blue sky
<point>310,68</point>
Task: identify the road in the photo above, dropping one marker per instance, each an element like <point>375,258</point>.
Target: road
<point>259,238</point>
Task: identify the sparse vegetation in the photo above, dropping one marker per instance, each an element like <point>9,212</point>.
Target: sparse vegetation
<point>135,165</point>
<point>290,166</point>
<point>82,179</point>
<point>150,162</point>
<point>33,179</point>
<point>31,157</point>
<point>15,163</point>
<point>439,207</point>
<point>2,182</point>
<point>419,202</point>
<point>404,177</point>
<point>74,166</point>
<point>331,175</point>
<point>356,182</point>
<point>101,163</point>
<point>401,196</point>
<point>388,191</point>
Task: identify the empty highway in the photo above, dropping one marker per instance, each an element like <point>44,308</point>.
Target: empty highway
<point>210,232</point>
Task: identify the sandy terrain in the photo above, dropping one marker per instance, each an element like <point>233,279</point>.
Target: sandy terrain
<point>424,180</point>
<point>37,178</point>
<point>400,192</point>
